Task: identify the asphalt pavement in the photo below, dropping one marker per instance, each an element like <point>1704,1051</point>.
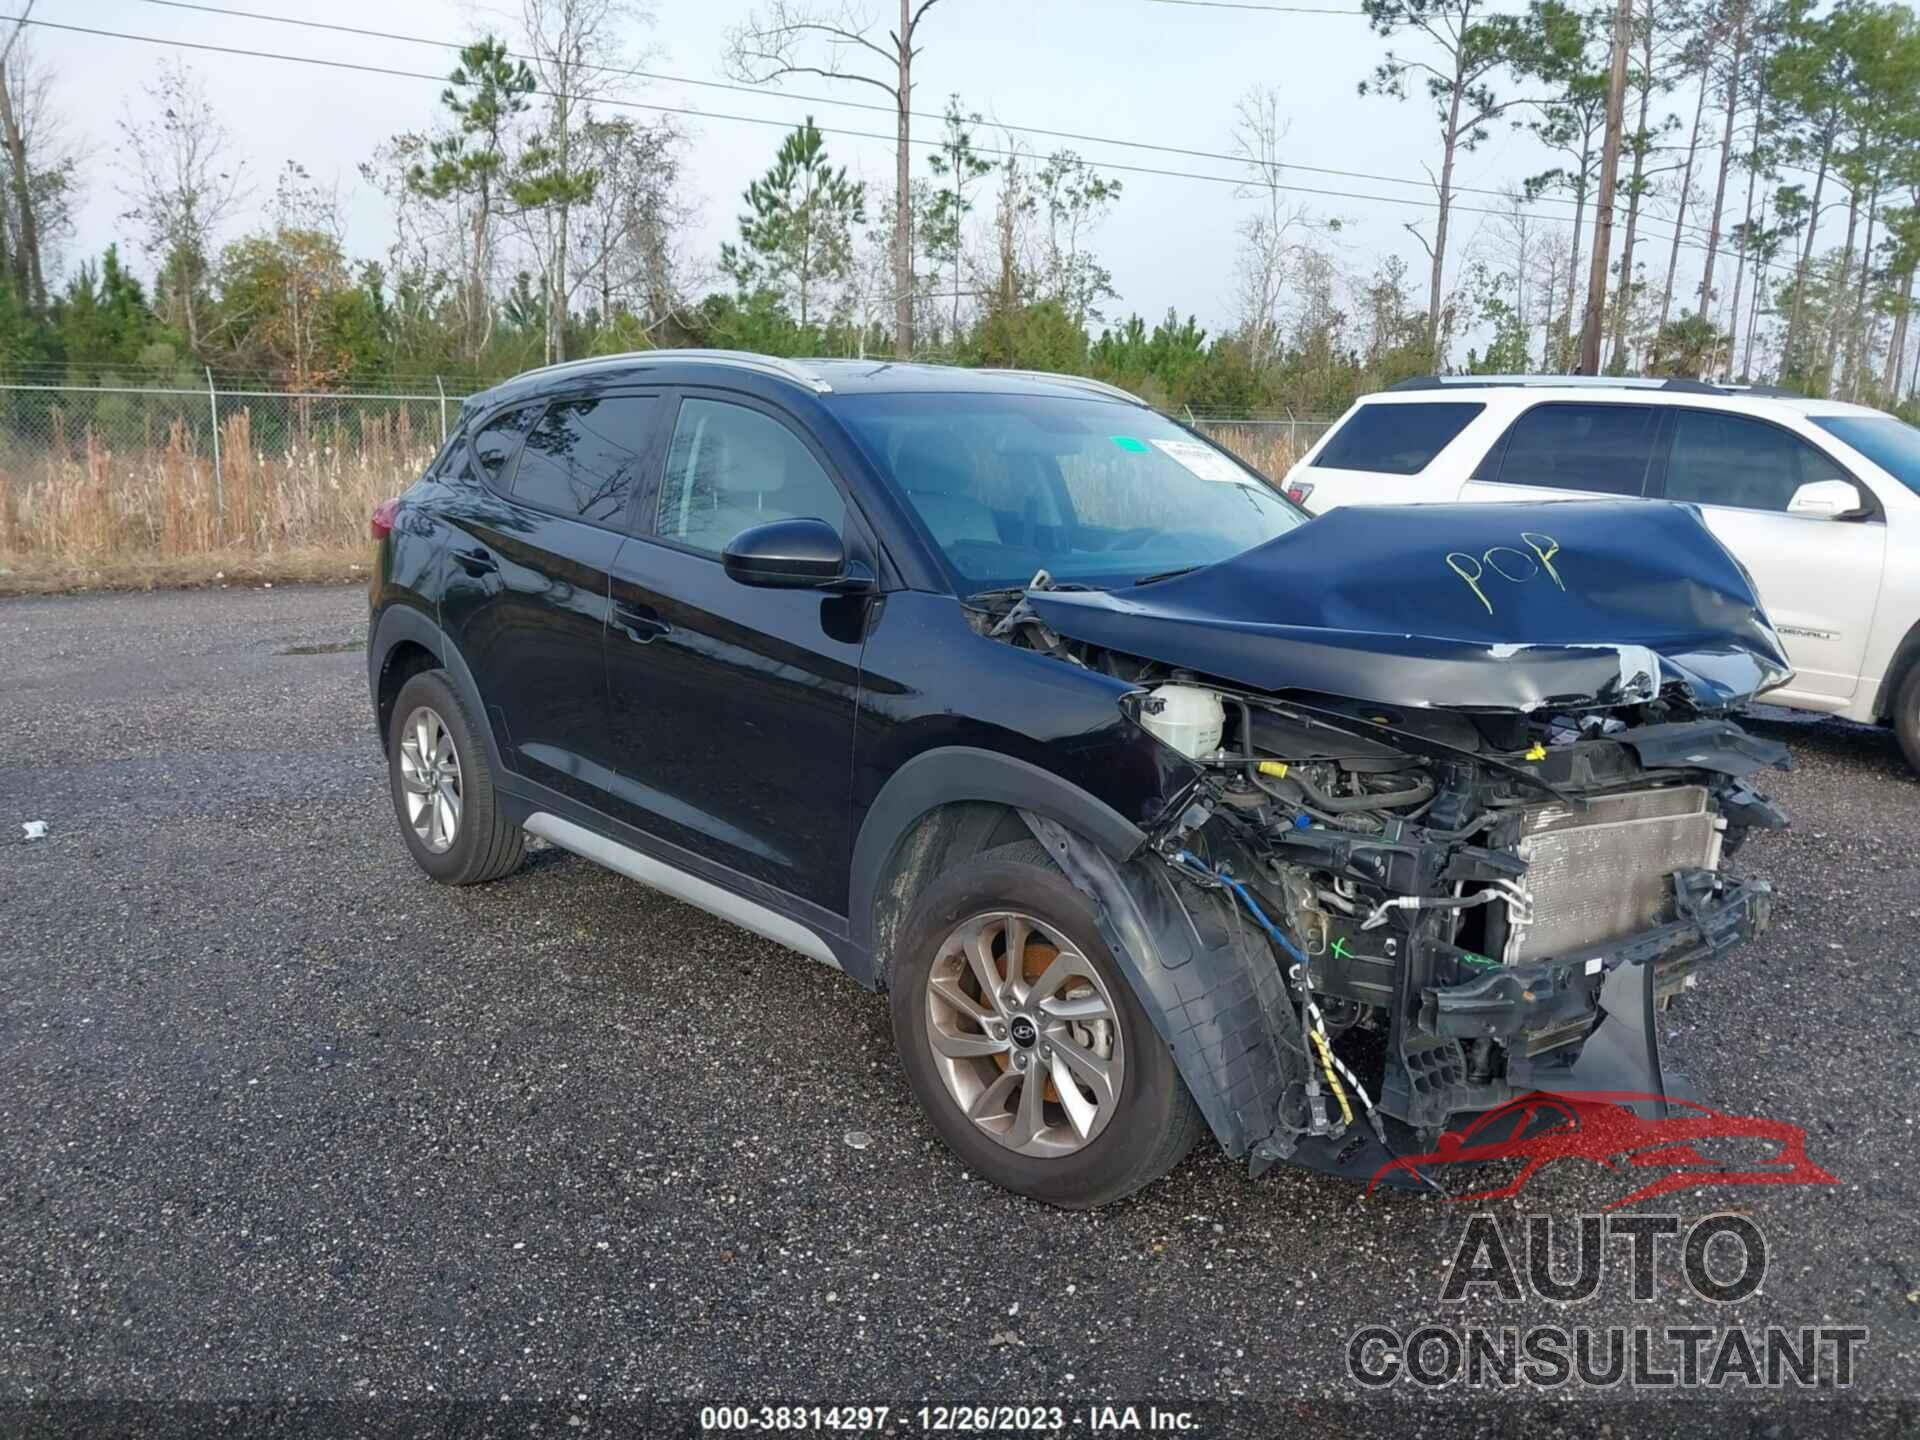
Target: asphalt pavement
<point>284,1124</point>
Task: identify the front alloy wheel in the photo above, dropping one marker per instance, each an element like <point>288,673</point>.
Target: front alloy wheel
<point>1023,1041</point>
<point>1025,1035</point>
<point>430,778</point>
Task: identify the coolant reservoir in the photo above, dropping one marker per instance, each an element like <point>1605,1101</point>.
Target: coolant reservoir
<point>1187,717</point>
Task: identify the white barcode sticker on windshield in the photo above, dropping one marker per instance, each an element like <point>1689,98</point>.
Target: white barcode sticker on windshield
<point>1202,460</point>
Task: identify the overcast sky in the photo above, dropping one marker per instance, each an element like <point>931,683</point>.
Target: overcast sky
<point>1129,69</point>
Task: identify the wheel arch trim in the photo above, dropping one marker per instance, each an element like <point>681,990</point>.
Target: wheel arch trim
<point>957,774</point>
<point>399,624</point>
<point>1905,656</point>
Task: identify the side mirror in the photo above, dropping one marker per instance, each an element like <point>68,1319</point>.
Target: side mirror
<point>803,554</point>
<point>1828,499</point>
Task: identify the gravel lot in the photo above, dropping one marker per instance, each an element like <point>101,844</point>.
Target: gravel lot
<point>285,1121</point>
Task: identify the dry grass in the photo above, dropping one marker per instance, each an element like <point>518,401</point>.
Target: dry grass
<point>80,514</point>
<point>1263,447</point>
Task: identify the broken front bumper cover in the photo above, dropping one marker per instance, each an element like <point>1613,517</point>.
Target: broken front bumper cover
<point>1546,1005</point>
<point>1584,1022</point>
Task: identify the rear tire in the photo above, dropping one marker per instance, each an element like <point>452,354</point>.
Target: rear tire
<point>1906,714</point>
<point>1047,1077</point>
<point>442,787</point>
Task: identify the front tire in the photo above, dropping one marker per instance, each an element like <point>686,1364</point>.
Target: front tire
<point>442,787</point>
<point>1023,1041</point>
<point>1906,714</point>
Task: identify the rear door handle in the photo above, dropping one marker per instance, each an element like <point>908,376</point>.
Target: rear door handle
<point>476,562</point>
<point>641,622</point>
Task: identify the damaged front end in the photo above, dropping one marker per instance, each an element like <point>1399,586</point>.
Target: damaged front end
<point>1479,850</point>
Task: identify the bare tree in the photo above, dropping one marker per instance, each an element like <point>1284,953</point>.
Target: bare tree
<point>1075,198</point>
<point>1736,18</point>
<point>624,243</point>
<point>1645,77</point>
<point>42,175</point>
<point>1268,235</point>
<point>430,246</point>
<point>576,47</point>
<point>466,170</point>
<point>1513,240</point>
<point>1756,160</point>
<point>801,37</point>
<point>1474,48</point>
<point>182,184</point>
<point>1555,268</point>
<point>1684,195</point>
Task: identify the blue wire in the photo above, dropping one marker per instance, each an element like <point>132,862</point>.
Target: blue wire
<point>1188,858</point>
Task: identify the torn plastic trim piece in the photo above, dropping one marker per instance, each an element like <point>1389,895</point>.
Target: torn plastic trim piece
<point>1206,979</point>
<point>1717,745</point>
<point>1622,1055</point>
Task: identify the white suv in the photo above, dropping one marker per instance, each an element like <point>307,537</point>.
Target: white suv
<point>1819,500</point>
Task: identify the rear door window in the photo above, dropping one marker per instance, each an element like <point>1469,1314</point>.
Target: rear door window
<point>1604,449</point>
<point>498,441</point>
<point>1395,439</point>
<point>584,458</point>
<point>1743,464</point>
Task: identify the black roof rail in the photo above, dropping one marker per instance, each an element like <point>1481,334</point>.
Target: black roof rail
<point>1765,392</point>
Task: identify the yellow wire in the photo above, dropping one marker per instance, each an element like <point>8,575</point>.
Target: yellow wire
<point>1326,1063</point>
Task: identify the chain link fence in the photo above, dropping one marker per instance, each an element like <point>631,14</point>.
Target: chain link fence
<point>98,472</point>
<point>91,474</point>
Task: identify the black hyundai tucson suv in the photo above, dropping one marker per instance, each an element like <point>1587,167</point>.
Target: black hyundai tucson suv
<point>1155,806</point>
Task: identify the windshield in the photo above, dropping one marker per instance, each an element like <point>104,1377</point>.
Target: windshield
<point>1891,444</point>
<point>1095,492</point>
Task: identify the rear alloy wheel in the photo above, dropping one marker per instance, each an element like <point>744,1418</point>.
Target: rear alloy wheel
<point>430,779</point>
<point>443,787</point>
<point>1024,1042</point>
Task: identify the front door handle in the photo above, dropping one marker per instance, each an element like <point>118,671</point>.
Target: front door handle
<point>641,622</point>
<point>476,562</point>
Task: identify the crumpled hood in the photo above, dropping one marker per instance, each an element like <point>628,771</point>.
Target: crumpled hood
<point>1512,607</point>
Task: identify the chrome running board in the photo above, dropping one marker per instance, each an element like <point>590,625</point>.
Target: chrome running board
<point>702,894</point>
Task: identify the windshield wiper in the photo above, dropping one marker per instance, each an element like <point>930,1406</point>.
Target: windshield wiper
<point>1041,581</point>
<point>1168,574</point>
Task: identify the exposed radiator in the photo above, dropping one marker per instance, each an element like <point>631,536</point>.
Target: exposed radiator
<point>1604,873</point>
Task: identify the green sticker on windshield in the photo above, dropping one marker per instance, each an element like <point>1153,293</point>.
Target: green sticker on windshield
<point>1127,442</point>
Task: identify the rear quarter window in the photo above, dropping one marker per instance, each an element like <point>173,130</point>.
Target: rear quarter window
<point>1395,439</point>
